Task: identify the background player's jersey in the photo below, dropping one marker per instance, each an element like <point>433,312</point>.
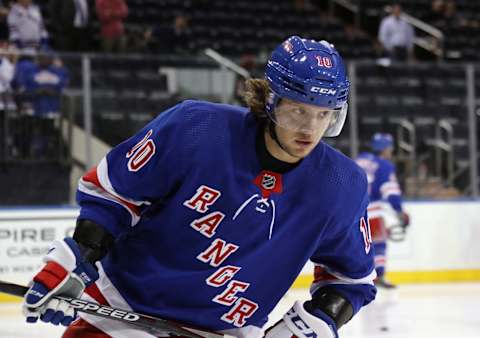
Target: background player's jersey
<point>382,180</point>
<point>207,237</point>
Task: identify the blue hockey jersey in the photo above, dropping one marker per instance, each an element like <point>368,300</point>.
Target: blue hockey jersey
<point>206,236</point>
<point>52,78</point>
<point>382,179</point>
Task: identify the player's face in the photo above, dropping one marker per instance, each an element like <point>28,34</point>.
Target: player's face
<point>310,123</point>
<point>387,153</point>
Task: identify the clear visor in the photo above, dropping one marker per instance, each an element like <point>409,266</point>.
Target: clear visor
<point>305,119</point>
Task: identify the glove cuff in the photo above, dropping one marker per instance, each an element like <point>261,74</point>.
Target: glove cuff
<point>66,253</point>
<point>68,256</point>
<point>303,324</point>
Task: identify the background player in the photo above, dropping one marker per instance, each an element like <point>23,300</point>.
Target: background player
<point>209,213</point>
<point>383,189</point>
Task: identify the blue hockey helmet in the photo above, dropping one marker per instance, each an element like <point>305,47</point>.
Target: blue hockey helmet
<point>310,72</point>
<point>381,141</point>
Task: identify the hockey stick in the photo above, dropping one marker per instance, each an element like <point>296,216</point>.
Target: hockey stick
<point>152,325</point>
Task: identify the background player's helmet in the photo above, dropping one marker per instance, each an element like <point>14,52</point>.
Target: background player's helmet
<point>310,72</point>
<point>381,141</point>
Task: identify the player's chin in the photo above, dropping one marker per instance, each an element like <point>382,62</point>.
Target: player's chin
<point>301,151</point>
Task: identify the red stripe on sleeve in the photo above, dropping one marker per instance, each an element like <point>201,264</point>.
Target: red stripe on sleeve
<point>51,275</point>
<point>92,177</point>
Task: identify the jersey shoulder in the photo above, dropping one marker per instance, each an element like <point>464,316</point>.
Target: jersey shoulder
<point>344,187</point>
<point>195,119</point>
<point>219,111</point>
<point>343,172</point>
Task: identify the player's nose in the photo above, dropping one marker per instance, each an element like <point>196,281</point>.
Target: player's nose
<point>305,135</point>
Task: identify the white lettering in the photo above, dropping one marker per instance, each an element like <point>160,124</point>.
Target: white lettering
<point>320,90</point>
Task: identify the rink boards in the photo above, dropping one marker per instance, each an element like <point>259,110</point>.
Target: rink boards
<point>441,245</point>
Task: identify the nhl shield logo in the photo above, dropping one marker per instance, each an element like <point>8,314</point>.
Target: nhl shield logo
<point>268,182</point>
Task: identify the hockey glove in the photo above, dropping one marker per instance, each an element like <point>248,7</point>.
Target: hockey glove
<point>299,323</point>
<point>65,274</point>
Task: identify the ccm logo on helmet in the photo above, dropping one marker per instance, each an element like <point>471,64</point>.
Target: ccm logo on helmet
<point>320,90</point>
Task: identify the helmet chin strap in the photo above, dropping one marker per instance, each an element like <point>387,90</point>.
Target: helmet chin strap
<point>273,134</point>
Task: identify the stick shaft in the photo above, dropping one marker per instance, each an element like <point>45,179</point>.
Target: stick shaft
<point>153,325</point>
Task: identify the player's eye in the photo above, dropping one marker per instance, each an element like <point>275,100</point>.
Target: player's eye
<point>324,114</point>
<point>297,111</point>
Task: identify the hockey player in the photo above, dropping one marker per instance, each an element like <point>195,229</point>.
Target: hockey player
<point>383,189</point>
<point>210,212</point>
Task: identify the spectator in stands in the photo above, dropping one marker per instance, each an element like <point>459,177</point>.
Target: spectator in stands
<point>25,64</point>
<point>25,23</point>
<point>111,14</point>
<point>43,86</point>
<point>7,67</point>
<point>45,83</point>
<point>451,19</point>
<point>396,35</point>
<point>171,38</point>
<point>70,21</point>
<point>8,57</point>
<point>4,10</point>
<point>436,13</point>
<point>19,123</point>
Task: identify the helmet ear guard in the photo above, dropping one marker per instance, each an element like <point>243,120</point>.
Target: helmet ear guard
<point>272,102</point>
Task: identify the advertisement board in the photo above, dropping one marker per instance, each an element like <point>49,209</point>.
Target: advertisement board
<point>441,243</point>
<point>25,236</point>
